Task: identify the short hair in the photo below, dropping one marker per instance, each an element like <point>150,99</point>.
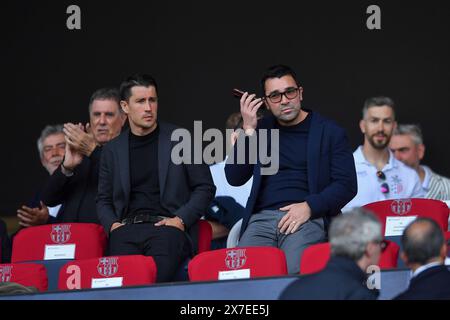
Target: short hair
<point>378,102</point>
<point>48,131</point>
<point>105,94</point>
<point>351,232</point>
<point>234,121</point>
<point>140,80</point>
<point>277,71</point>
<point>421,247</point>
<point>411,129</point>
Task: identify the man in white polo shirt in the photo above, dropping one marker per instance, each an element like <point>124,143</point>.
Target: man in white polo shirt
<point>380,175</point>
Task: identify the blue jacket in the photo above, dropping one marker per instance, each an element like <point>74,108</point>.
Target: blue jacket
<point>331,169</point>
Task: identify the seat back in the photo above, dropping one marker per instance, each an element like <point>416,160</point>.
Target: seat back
<point>315,257</point>
<point>246,262</point>
<point>204,236</point>
<point>26,274</point>
<point>59,241</point>
<point>104,272</point>
<point>434,209</point>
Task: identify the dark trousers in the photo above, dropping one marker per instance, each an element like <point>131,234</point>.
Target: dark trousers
<point>169,246</point>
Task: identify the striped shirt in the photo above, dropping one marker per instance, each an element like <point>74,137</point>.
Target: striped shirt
<point>435,186</point>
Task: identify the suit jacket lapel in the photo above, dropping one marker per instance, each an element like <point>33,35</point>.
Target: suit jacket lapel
<point>164,151</point>
<point>314,143</point>
<point>124,162</point>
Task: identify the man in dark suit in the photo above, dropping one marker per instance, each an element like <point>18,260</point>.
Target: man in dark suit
<point>146,202</point>
<point>424,251</point>
<point>291,208</point>
<point>355,240</point>
<point>74,183</point>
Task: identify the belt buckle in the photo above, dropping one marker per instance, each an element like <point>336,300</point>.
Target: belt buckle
<point>138,219</point>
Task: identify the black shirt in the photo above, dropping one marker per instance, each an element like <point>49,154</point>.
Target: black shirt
<point>144,179</point>
<point>290,184</point>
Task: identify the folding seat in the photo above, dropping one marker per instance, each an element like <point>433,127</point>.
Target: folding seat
<point>26,274</point>
<point>107,272</point>
<point>316,257</point>
<point>59,241</point>
<point>246,262</point>
<point>392,212</point>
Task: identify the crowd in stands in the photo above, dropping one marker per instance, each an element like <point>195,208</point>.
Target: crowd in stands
<point>116,171</point>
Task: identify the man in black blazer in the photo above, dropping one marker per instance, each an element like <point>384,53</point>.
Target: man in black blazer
<point>146,202</point>
<point>355,240</point>
<point>424,251</point>
<point>74,183</point>
<point>290,208</point>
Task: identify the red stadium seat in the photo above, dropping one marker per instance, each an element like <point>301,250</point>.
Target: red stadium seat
<point>246,262</point>
<point>316,257</point>
<point>117,271</point>
<point>26,274</point>
<point>88,240</point>
<point>434,209</point>
<point>204,236</point>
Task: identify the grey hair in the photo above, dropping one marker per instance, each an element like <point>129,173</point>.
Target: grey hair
<point>351,232</point>
<point>48,131</point>
<point>377,102</point>
<point>411,129</point>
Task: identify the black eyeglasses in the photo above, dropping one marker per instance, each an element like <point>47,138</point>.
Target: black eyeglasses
<point>290,93</point>
<point>384,186</point>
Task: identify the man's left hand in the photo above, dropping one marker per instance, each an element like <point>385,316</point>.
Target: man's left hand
<point>78,139</point>
<point>173,222</point>
<point>29,217</point>
<point>296,215</point>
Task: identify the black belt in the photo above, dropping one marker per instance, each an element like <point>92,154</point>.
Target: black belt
<point>143,218</point>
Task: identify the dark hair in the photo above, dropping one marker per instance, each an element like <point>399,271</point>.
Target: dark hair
<point>420,248</point>
<point>377,102</point>
<point>141,80</point>
<point>277,71</point>
<point>105,94</point>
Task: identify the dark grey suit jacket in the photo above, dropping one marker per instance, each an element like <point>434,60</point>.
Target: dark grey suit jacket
<point>186,189</point>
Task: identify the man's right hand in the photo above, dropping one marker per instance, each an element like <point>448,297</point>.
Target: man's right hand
<point>249,109</point>
<point>116,225</point>
<point>72,157</point>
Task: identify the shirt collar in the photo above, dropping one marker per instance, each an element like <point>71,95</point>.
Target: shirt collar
<point>361,159</point>
<point>427,178</point>
<point>425,267</point>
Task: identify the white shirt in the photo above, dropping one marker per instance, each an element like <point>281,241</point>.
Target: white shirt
<point>403,181</point>
<point>223,188</point>
<point>53,211</point>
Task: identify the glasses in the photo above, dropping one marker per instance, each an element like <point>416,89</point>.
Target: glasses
<point>290,93</point>
<point>384,186</point>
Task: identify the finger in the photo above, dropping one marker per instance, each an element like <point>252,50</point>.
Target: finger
<point>23,224</point>
<point>161,223</point>
<point>24,219</point>
<point>28,215</point>
<point>249,100</point>
<point>284,227</point>
<point>244,96</point>
<point>283,220</point>
<point>43,205</point>
<point>286,208</point>
<point>26,208</point>
<point>257,106</point>
<point>88,128</point>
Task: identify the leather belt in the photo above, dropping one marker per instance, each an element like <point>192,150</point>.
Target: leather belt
<point>143,218</point>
